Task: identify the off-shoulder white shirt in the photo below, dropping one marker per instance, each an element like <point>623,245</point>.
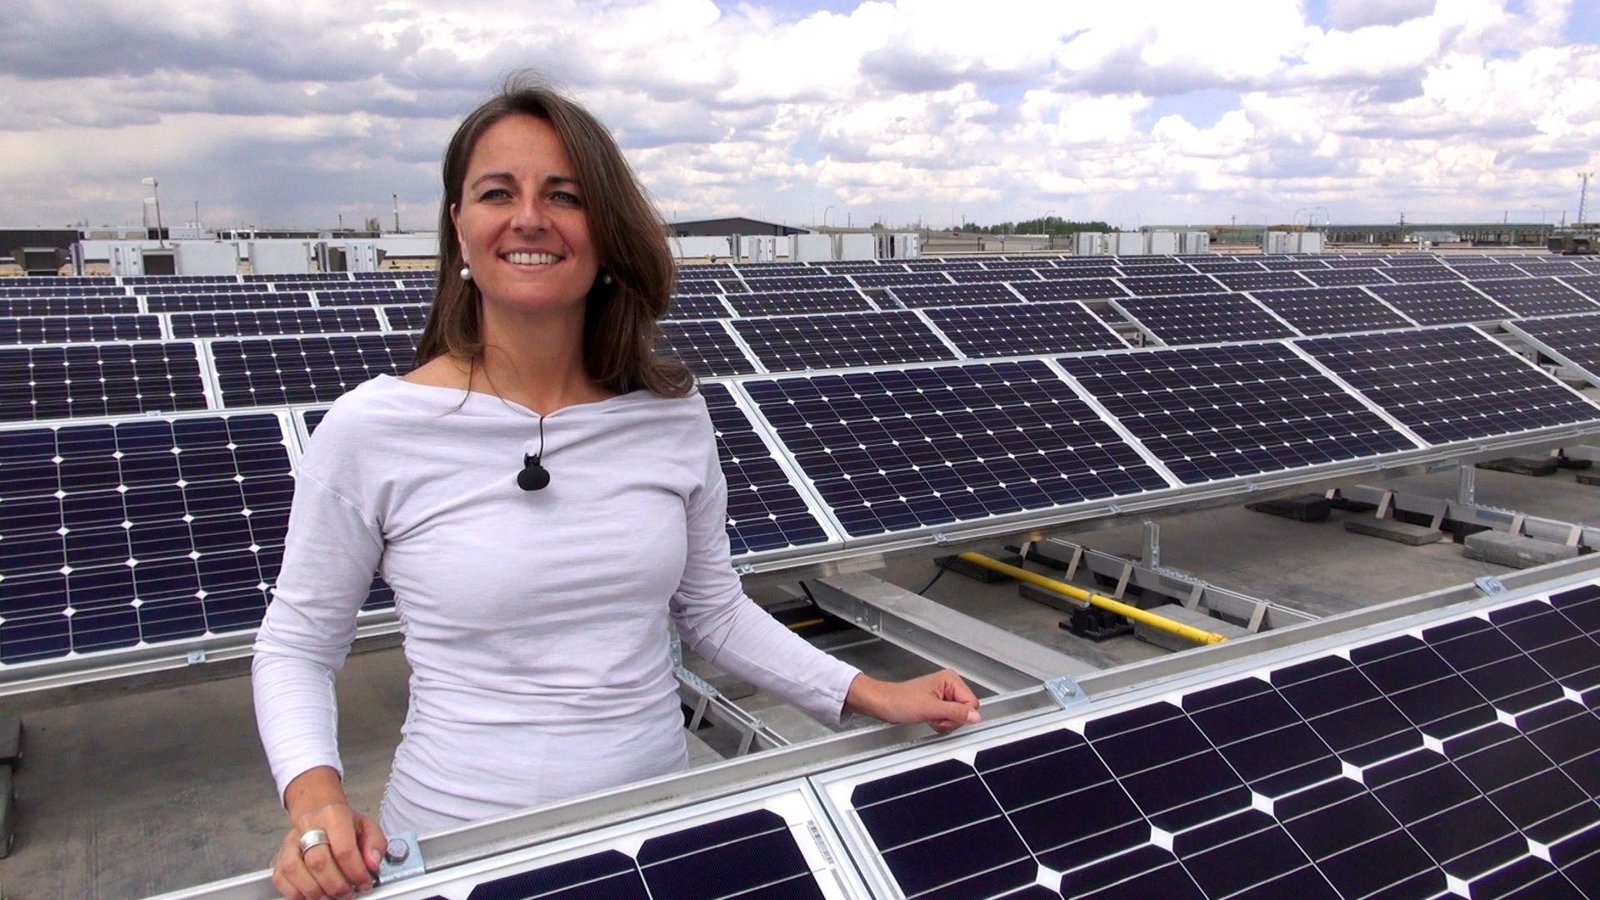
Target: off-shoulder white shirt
<point>535,623</point>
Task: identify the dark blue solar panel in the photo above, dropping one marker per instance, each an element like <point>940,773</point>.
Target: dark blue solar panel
<point>750,855</point>
<point>1332,310</point>
<point>1545,268</point>
<point>1536,296</point>
<point>68,306</point>
<point>1071,289</point>
<point>10,291</point>
<point>1575,340</point>
<point>99,380</point>
<point>1588,285</point>
<point>1412,273</point>
<point>897,279</point>
<point>373,296</point>
<point>172,303</point>
<point>1482,271</point>
<point>901,450</point>
<point>762,302</point>
<point>1216,413</point>
<point>277,371</point>
<point>1162,285</point>
<point>914,296</point>
<point>274,321</point>
<point>192,286</point>
<point>71,329</point>
<point>1440,303</point>
<point>1259,280</point>
<point>1450,384</point>
<point>705,346</point>
<point>330,279</point>
<point>841,340</point>
<point>1338,277</point>
<point>697,306</point>
<point>407,318</point>
<point>765,512</point>
<point>1024,329</point>
<point>1465,758</point>
<point>1204,318</point>
<point>990,276</point>
<point>812,282</point>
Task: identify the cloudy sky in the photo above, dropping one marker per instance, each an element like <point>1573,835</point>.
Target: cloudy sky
<point>291,112</point>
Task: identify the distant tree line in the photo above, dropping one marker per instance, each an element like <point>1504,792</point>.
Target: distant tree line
<point>1044,225</point>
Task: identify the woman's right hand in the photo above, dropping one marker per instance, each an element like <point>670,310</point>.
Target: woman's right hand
<point>340,868</point>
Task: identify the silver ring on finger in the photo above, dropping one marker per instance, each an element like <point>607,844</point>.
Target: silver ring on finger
<point>316,837</point>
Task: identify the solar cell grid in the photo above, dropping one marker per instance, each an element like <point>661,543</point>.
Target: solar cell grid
<point>1074,289</point>
<point>373,296</point>
<point>1127,267</point>
<point>796,283</point>
<point>1286,263</point>
<point>1203,318</point>
<point>1356,262</point>
<point>1485,271</point>
<point>1337,277</point>
<point>1406,260</point>
<point>194,286</point>
<point>1162,285</point>
<point>145,531</point>
<point>69,329</point>
<point>1332,310</point>
<point>846,268</point>
<point>1024,329</point>
<point>179,279</point>
<point>173,303</point>
<point>1215,413</point>
<point>841,340</point>
<point>697,306</point>
<point>765,511</point>
<point>787,303</point>
<point>1588,285</point>
<point>896,451</point>
<point>1396,768</point>
<point>705,346</point>
<point>99,380</point>
<point>1450,384</point>
<point>1261,280</point>
<point>1536,296</point>
<point>307,278</point>
<point>68,306</point>
<point>54,290</point>
<point>1021,265</point>
<point>1440,303</point>
<point>407,318</point>
<point>897,279</point>
<point>274,321</point>
<point>1575,340</point>
<point>991,276</point>
<point>754,271</point>
<point>1410,273</point>
<point>1549,268</point>
<point>278,371</point>
<point>72,280</point>
<point>950,294</point>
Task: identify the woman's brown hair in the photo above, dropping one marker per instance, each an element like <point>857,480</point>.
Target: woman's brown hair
<point>619,328</point>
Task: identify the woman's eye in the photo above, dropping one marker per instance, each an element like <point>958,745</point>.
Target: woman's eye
<point>494,194</point>
<point>566,197</point>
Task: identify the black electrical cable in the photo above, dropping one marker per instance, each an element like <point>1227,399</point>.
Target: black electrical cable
<point>944,566</point>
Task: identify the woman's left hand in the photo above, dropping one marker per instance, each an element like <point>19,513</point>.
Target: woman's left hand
<point>941,699</point>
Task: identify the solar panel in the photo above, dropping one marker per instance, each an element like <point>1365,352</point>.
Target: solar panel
<point>193,286</point>
<point>1216,266</point>
<point>1458,760</point>
<point>755,271</point>
<point>8,290</point>
<point>180,280</point>
<point>943,265</point>
<point>892,451</point>
<point>897,279</point>
<point>1356,262</point>
<point>99,380</point>
<point>1288,263</point>
<point>702,287</point>
<point>71,329</point>
<point>1159,285</point>
<point>374,296</point>
<point>1132,267</point>
<point>278,371</point>
<point>1409,260</point>
<point>1215,413</point>
<point>841,340</point>
<point>867,265</point>
<point>1549,268</point>
<point>135,532</point>
<point>60,281</point>
<point>795,283</point>
<point>1032,264</point>
<point>1536,296</point>
<point>1588,285</point>
<point>1203,318</point>
<point>1485,271</point>
<point>991,276</point>
<point>172,303</point>
<point>1450,384</point>
<point>1337,277</point>
<point>1575,340</point>
<point>274,321</point>
<point>765,511</point>
<point>1440,303</point>
<point>1411,273</point>
<point>413,317</point>
<point>949,294</point>
<point>328,278</point>
<point>1024,329</point>
<point>1332,310</point>
<point>705,346</point>
<point>1075,289</point>
<point>788,303</point>
<point>697,306</point>
<point>1259,280</point>
<point>68,306</point>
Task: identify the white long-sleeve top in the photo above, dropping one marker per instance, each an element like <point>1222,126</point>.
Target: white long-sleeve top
<point>535,623</point>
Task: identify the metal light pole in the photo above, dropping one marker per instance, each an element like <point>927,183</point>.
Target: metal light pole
<point>155,188</point>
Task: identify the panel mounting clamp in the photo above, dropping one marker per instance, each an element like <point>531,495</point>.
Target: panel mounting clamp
<point>1489,585</point>
<point>1066,691</point>
<point>402,858</point>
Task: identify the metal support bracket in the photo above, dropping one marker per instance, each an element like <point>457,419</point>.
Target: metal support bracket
<point>401,859</point>
<point>1488,585</point>
<point>1066,691</point>
<point>1152,543</point>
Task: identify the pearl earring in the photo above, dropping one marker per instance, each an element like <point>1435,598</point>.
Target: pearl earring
<point>606,278</point>
<point>466,273</point>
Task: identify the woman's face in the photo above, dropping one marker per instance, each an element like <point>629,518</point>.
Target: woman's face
<point>521,219</point>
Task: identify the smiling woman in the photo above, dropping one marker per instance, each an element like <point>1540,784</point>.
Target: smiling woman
<point>492,487</point>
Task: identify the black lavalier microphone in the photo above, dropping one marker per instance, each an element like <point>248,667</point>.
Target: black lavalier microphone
<point>533,476</point>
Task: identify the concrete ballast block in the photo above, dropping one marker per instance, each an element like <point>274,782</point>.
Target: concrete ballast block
<point>1515,550</point>
<point>1390,530</point>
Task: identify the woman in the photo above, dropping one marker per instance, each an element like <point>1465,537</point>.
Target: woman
<point>543,494</point>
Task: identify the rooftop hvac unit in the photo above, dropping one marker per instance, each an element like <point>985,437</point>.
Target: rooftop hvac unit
<point>1089,243</point>
<point>280,257</point>
<point>1162,243</point>
<point>1127,243</point>
<point>1195,243</point>
<point>127,257</point>
<point>351,256</point>
<point>758,248</point>
<point>899,245</point>
<point>810,248</point>
<point>40,260</point>
<point>207,258</point>
<point>857,246</point>
<point>1278,242</point>
<point>1310,242</point>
